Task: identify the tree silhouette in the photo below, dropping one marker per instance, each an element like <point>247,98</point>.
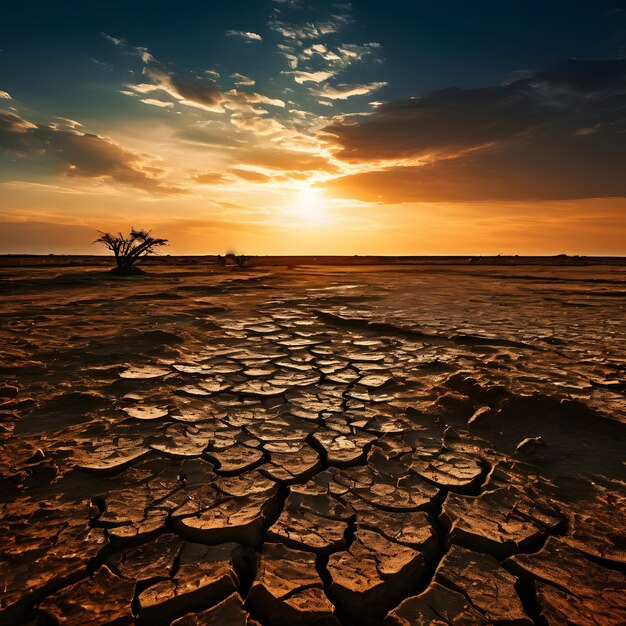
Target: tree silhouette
<point>129,251</point>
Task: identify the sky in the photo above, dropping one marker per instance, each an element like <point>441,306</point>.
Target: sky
<point>404,127</point>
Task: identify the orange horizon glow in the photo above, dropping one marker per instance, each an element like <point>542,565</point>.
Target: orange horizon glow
<point>301,144</point>
<point>270,208</point>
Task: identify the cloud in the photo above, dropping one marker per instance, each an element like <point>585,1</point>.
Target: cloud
<point>65,123</point>
<point>582,76</point>
<point>335,58</point>
<point>15,133</point>
<point>302,46</point>
<point>341,56</point>
<point>349,53</point>
<point>250,175</point>
<point>452,120</point>
<point>321,22</point>
<point>343,92</point>
<point>234,99</point>
<point>526,172</point>
<point>553,134</point>
<point>241,80</point>
<point>81,154</point>
<point>200,92</point>
<point>248,36</point>
<point>214,134</point>
<point>188,90</point>
<point>290,55</point>
<point>116,41</point>
<point>101,64</point>
<point>319,76</point>
<point>158,103</point>
<point>309,30</point>
<point>261,126</point>
<point>283,160</point>
<point>4,95</point>
<point>211,178</point>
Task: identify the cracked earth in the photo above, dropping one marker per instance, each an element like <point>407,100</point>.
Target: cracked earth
<point>354,445</point>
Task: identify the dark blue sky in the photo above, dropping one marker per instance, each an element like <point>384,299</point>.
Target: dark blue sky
<point>51,50</point>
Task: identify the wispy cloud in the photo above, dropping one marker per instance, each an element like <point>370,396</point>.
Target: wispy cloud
<point>197,91</point>
<point>315,50</point>
<point>300,32</point>
<point>343,92</point>
<point>116,41</point>
<point>248,36</point>
<point>303,76</point>
<point>65,122</point>
<point>4,95</point>
<point>190,91</point>
<point>241,80</point>
<point>157,103</point>
<point>251,176</point>
<point>211,178</point>
<point>260,125</point>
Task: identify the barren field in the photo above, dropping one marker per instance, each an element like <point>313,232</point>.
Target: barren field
<point>353,444</point>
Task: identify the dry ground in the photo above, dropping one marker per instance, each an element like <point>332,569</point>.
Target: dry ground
<point>356,444</point>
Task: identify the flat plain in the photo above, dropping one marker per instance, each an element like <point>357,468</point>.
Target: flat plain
<point>328,442</point>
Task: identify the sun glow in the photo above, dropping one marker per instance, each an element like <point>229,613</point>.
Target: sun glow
<point>309,206</point>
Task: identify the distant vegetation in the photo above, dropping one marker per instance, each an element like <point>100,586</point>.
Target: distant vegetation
<point>130,250</point>
<point>239,260</point>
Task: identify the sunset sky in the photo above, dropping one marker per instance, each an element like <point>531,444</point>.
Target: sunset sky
<point>315,127</point>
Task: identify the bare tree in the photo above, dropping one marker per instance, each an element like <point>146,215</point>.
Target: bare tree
<point>129,251</point>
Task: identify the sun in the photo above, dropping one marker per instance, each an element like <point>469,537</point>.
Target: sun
<point>308,205</point>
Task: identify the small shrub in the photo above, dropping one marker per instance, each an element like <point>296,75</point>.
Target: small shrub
<point>238,259</point>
